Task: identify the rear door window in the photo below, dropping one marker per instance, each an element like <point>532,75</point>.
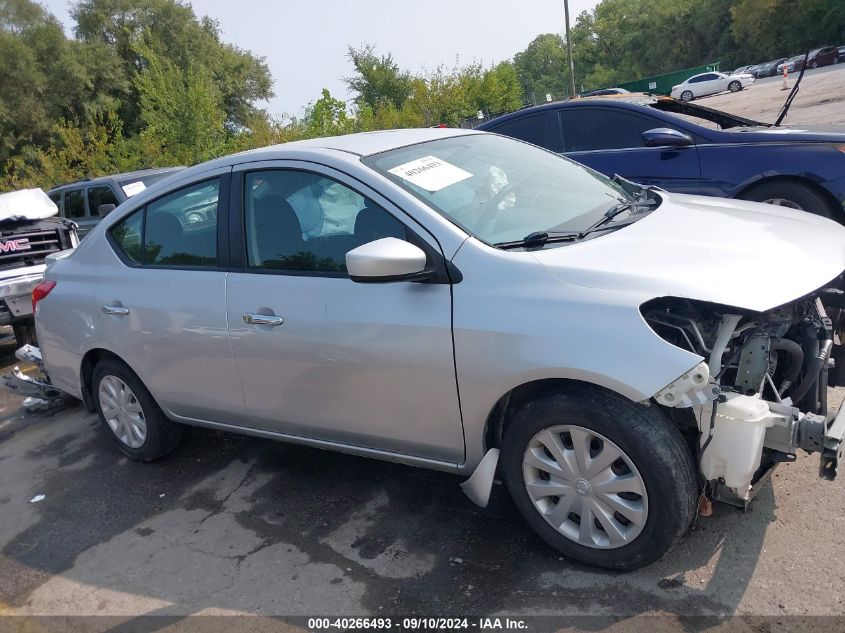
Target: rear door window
<point>177,230</point>
<point>181,228</point>
<point>75,203</point>
<point>531,129</point>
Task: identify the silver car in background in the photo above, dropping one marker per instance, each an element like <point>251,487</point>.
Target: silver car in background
<point>465,302</point>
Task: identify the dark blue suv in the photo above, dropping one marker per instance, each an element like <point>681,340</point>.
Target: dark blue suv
<point>689,148</point>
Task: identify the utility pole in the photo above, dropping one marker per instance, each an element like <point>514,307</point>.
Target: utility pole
<point>569,50</point>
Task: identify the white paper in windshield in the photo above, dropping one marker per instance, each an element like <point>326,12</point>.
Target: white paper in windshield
<point>430,173</point>
<point>133,188</point>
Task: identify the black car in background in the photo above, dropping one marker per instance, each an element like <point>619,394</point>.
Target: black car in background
<point>768,69</point>
<point>80,201</point>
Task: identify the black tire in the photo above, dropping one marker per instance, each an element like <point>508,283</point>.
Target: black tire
<point>814,64</point>
<point>651,441</point>
<point>687,95</point>
<point>803,197</point>
<point>734,86</point>
<point>24,333</point>
<point>162,435</point>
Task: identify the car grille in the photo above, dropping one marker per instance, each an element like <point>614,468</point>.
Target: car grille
<point>13,251</point>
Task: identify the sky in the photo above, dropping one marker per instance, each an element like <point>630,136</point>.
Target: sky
<point>305,43</point>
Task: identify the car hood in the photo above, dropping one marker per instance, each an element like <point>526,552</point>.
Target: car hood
<point>26,204</point>
<point>744,254</point>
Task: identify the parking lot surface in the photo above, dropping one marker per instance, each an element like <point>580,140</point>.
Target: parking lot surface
<point>818,102</point>
<point>230,525</point>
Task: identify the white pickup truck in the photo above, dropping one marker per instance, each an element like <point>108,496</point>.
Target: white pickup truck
<point>30,230</point>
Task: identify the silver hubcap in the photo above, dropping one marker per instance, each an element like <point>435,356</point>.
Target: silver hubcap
<point>783,202</point>
<point>122,411</point>
<point>585,486</point>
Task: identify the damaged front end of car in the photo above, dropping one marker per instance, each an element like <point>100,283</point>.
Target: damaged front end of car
<point>760,394</point>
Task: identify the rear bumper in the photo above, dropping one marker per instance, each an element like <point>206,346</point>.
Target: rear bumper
<point>32,385</point>
<point>16,297</point>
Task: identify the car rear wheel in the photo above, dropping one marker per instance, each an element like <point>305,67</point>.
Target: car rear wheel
<point>789,194</point>
<point>686,95</point>
<point>603,480</point>
<point>734,86</point>
<point>130,414</point>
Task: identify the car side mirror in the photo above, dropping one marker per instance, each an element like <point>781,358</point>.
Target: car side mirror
<point>387,259</point>
<point>666,137</point>
<point>104,209</point>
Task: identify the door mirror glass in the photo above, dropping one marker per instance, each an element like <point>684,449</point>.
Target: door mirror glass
<point>666,137</point>
<point>387,259</point>
<point>104,209</point>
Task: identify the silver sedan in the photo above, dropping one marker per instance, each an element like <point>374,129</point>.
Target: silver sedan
<point>465,302</point>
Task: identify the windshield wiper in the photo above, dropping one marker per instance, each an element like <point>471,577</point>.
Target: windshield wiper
<point>539,238</point>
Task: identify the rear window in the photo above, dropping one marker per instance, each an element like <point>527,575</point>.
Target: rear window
<point>531,129</point>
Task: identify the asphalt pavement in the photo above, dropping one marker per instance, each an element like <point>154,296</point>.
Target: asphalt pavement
<point>233,525</point>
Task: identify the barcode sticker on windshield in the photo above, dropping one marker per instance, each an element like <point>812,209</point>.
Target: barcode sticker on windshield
<point>133,188</point>
<point>430,173</point>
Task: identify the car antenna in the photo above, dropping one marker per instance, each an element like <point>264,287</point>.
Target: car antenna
<point>792,92</point>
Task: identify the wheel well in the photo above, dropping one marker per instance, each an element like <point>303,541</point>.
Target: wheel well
<point>501,413</point>
<point>837,212</point>
<point>86,372</point>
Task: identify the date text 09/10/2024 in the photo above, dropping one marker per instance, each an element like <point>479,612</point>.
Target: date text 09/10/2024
<point>416,623</point>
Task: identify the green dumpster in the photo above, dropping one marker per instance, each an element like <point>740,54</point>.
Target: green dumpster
<point>662,84</point>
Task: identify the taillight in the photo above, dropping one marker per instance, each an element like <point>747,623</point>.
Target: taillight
<point>40,291</point>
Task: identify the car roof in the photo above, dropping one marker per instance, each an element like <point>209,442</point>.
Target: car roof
<point>360,144</point>
<point>364,143</point>
<point>632,100</point>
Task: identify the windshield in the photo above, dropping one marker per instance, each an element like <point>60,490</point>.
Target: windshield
<point>499,189</point>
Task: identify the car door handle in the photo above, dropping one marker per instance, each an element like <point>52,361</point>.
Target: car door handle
<point>263,319</point>
<point>115,310</point>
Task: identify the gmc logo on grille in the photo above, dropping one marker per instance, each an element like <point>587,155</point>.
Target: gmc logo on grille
<point>11,246</point>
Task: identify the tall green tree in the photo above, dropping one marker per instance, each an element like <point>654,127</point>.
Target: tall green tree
<point>181,110</point>
<point>172,31</point>
<point>542,68</point>
<point>377,81</point>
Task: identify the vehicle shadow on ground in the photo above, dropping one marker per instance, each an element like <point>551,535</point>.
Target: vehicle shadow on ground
<point>248,525</point>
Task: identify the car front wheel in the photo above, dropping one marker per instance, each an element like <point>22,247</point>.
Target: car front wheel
<point>794,195</point>
<point>603,480</point>
<point>686,95</point>
<point>734,86</point>
<point>130,414</point>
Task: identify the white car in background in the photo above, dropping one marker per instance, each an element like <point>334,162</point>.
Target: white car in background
<point>709,84</point>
